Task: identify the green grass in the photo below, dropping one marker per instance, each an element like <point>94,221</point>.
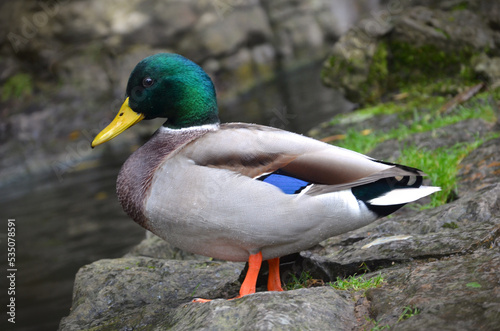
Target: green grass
<point>299,282</point>
<point>441,166</point>
<point>357,283</point>
<point>473,285</point>
<point>408,312</point>
<point>195,289</point>
<point>422,122</point>
<point>360,142</point>
<point>376,326</point>
<point>421,105</point>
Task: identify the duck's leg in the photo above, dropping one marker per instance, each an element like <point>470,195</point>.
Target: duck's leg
<point>250,281</point>
<point>274,281</point>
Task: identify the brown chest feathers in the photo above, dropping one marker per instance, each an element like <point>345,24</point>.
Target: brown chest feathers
<point>135,177</point>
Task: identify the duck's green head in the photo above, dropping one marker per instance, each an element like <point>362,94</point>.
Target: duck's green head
<point>165,85</point>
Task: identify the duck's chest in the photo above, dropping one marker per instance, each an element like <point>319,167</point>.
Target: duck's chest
<point>136,176</point>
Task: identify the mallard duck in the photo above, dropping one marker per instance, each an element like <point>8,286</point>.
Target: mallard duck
<point>236,191</point>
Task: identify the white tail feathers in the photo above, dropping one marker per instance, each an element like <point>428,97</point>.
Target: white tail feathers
<point>403,195</point>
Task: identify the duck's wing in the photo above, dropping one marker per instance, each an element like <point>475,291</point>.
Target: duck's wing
<point>222,192</point>
<point>266,153</point>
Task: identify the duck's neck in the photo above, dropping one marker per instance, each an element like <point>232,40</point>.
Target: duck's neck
<point>195,106</point>
<point>195,119</point>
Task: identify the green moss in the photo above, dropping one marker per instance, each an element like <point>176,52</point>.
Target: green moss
<point>378,75</point>
<point>450,225</point>
<point>379,69</point>
<point>342,72</point>
<point>17,86</point>
<point>337,68</point>
<point>467,73</point>
<point>422,92</point>
<point>416,63</point>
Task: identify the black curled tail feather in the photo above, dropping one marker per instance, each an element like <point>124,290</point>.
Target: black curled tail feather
<point>378,188</point>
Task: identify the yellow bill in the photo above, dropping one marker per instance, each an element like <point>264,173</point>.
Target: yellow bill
<point>125,118</point>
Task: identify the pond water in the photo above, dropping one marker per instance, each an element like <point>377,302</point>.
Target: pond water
<point>63,225</point>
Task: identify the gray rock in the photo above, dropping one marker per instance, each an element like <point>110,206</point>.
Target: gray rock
<point>459,292</point>
<point>245,26</point>
<point>489,68</point>
<point>305,309</point>
<point>349,66</point>
<point>446,30</point>
<point>480,168</point>
<point>150,290</point>
<point>301,28</point>
<point>132,291</point>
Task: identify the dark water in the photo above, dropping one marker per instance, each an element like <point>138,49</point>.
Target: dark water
<point>62,225</point>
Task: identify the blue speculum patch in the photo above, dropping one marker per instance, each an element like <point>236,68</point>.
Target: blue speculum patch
<point>286,183</point>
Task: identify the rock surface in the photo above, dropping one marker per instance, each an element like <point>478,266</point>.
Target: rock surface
<point>458,292</point>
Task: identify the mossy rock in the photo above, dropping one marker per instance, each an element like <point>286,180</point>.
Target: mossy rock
<point>423,46</point>
<point>394,65</point>
<point>357,66</point>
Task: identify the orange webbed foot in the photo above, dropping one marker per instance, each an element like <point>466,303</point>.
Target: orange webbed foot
<point>200,300</point>
<point>250,281</point>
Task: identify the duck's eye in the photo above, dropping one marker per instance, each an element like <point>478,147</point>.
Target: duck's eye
<point>147,82</point>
